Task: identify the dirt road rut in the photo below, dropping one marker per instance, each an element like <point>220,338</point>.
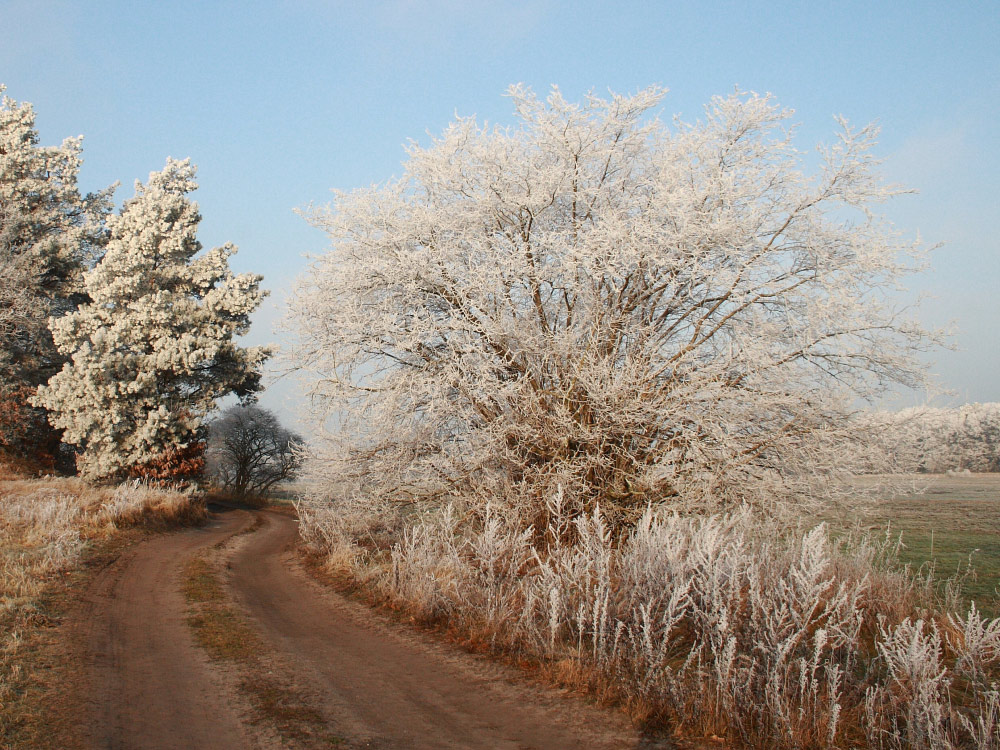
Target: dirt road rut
<point>374,684</point>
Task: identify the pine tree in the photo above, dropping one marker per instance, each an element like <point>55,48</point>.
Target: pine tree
<point>154,348</point>
<point>49,234</point>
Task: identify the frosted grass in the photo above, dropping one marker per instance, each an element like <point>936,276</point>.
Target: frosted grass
<point>711,624</point>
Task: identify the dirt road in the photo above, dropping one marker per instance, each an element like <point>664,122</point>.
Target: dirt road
<point>146,683</point>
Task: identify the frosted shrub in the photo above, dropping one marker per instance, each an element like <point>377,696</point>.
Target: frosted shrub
<point>343,525</point>
<point>425,566</point>
<point>128,502</point>
<point>595,300</point>
<point>985,728</point>
<point>714,625</point>
<point>977,644</point>
<point>915,701</point>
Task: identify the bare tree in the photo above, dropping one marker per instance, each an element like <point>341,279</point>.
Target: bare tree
<point>597,304</point>
<point>249,451</point>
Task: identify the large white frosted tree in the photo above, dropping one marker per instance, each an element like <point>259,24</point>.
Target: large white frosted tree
<point>598,306</point>
<point>49,234</point>
<point>154,348</point>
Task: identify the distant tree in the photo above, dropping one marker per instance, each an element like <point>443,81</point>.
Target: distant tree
<point>249,451</point>
<point>49,235</point>
<point>154,348</point>
<point>598,306</point>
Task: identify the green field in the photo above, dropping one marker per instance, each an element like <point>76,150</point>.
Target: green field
<point>949,519</point>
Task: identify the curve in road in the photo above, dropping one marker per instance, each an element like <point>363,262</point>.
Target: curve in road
<point>376,684</point>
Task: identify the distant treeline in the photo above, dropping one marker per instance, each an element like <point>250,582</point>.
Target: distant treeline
<point>936,440</point>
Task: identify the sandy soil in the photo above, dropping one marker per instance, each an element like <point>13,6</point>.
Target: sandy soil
<point>144,683</point>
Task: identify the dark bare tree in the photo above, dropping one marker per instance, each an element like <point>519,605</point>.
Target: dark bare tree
<point>249,451</point>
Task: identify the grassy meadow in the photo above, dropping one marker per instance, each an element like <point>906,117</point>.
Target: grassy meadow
<point>947,521</point>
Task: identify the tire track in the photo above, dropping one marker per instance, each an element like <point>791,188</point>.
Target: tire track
<point>147,685</point>
<point>376,684</point>
<point>385,687</point>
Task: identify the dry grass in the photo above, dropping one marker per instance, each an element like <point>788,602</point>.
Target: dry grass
<point>47,527</point>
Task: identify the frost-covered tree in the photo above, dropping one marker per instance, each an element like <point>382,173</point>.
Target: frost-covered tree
<point>598,305</point>
<point>154,348</point>
<point>49,234</point>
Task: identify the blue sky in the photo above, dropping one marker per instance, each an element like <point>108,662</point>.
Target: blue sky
<point>279,102</point>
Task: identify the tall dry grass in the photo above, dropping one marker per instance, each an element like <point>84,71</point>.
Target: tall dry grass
<point>712,625</point>
<point>46,526</point>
